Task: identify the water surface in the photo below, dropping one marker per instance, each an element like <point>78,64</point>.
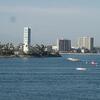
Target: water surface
<point>50,78</point>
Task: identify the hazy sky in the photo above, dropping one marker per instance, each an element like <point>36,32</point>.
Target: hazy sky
<point>49,20</point>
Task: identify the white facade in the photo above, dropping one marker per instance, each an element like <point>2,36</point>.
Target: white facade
<point>86,42</point>
<point>55,48</point>
<point>27,39</point>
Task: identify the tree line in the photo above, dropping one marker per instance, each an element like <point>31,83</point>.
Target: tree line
<point>9,49</point>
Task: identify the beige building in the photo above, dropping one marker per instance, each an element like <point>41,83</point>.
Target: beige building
<point>86,42</point>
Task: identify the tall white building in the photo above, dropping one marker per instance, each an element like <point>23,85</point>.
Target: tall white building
<point>86,42</point>
<point>63,45</point>
<point>27,39</point>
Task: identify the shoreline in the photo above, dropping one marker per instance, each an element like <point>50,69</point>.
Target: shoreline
<point>28,56</point>
<point>80,53</point>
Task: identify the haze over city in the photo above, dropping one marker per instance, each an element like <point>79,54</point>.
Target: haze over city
<point>49,20</point>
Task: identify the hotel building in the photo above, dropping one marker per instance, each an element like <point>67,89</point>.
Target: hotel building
<point>86,42</point>
<point>27,39</point>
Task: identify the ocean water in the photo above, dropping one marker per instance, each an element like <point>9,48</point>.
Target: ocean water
<point>50,78</point>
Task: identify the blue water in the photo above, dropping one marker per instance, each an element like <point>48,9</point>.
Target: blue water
<point>50,78</point>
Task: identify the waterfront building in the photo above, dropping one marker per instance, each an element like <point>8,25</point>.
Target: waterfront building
<point>54,47</point>
<point>63,45</point>
<point>27,39</point>
<point>86,43</point>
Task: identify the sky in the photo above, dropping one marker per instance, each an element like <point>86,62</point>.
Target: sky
<point>49,20</point>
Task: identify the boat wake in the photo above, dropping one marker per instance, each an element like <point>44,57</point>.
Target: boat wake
<point>81,69</point>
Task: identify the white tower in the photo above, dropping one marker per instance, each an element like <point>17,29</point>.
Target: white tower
<point>27,39</point>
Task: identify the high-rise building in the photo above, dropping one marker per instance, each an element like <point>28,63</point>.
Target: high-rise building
<point>63,45</point>
<point>27,39</point>
<point>86,42</point>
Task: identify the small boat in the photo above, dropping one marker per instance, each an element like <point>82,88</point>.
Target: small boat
<point>93,63</point>
<point>73,59</point>
<point>81,69</point>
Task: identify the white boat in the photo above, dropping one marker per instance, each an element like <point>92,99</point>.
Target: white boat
<point>93,63</point>
<point>73,59</point>
<point>81,69</point>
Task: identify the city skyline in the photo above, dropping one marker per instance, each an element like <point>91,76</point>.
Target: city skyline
<point>49,20</point>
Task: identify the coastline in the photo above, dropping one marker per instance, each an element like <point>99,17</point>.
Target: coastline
<point>60,55</point>
<point>79,53</point>
<point>28,56</point>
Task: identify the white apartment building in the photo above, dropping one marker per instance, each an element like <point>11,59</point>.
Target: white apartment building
<point>86,42</point>
<point>27,39</point>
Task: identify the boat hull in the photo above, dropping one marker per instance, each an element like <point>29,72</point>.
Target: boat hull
<point>73,59</point>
